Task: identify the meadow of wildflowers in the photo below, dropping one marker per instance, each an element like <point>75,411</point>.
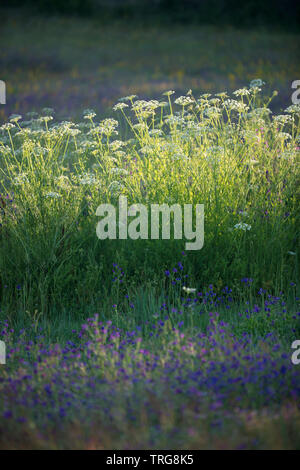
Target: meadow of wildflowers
<point>207,381</point>
<point>229,153</point>
<point>187,349</point>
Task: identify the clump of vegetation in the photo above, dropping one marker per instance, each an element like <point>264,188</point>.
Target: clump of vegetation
<point>195,351</point>
<point>231,154</point>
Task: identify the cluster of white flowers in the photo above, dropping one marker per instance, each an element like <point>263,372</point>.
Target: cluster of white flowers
<point>214,101</point>
<point>105,127</point>
<point>197,128</point>
<point>145,106</point>
<point>53,195</point>
<point>45,119</point>
<point>242,226</point>
<point>189,290</point>
<point>234,105</point>
<point>192,139</point>
<point>20,179</point>
<point>118,106</point>
<point>89,114</point>
<point>119,171</point>
<point>117,144</point>
<point>175,120</point>
<point>293,109</point>
<point>283,136</point>
<point>15,118</point>
<point>282,119</point>
<point>87,179</point>
<point>242,92</point>
<point>256,83</point>
<point>128,98</point>
<point>38,149</point>
<point>222,95</point>
<point>140,126</point>
<point>24,132</point>
<point>67,128</point>
<point>169,93</point>
<point>7,126</point>
<point>184,101</point>
<point>87,144</point>
<point>213,112</point>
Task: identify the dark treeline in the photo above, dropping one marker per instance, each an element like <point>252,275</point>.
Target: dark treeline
<point>285,13</point>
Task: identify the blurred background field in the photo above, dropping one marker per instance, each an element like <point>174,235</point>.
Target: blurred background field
<point>75,55</point>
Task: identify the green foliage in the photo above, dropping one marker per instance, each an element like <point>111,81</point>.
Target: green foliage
<point>228,154</point>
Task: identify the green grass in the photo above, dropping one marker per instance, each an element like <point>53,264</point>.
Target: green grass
<point>228,155</point>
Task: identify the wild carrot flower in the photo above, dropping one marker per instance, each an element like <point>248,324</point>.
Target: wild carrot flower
<point>242,226</point>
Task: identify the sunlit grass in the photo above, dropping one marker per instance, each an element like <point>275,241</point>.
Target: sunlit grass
<point>229,154</point>
<point>188,349</point>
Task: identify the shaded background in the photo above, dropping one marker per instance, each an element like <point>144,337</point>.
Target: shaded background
<point>203,11</point>
<point>75,54</point>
